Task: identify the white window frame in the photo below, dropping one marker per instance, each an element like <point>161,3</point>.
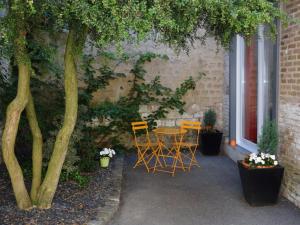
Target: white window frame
<point>261,81</point>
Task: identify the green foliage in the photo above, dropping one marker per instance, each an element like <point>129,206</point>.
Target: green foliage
<point>113,118</point>
<point>42,56</point>
<point>176,22</point>
<point>210,118</point>
<point>76,176</point>
<point>268,140</point>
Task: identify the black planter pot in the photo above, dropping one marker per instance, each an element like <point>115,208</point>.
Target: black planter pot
<point>210,142</point>
<point>261,186</point>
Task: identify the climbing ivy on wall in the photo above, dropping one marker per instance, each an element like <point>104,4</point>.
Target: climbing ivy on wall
<point>114,118</point>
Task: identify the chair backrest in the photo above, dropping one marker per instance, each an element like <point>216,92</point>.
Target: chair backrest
<point>140,126</point>
<point>193,126</point>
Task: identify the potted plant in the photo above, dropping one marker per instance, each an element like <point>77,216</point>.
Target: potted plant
<point>210,138</point>
<point>260,173</point>
<point>105,155</point>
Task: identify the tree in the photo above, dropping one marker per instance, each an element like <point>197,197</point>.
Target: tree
<point>16,21</point>
<point>106,22</point>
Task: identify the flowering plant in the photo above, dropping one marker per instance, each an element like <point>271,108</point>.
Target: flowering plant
<point>107,152</point>
<point>261,160</point>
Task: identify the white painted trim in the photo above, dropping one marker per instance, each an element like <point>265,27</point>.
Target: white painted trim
<point>261,78</point>
<point>239,70</point>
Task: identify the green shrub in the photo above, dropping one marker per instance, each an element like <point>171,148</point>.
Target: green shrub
<point>210,118</point>
<point>268,140</point>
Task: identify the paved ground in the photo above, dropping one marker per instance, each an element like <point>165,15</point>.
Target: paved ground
<point>210,195</point>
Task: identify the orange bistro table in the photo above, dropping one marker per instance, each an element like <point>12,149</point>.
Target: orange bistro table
<point>169,149</point>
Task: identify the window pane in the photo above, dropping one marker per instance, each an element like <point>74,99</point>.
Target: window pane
<point>249,124</point>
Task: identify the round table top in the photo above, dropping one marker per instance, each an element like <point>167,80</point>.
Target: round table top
<point>169,130</point>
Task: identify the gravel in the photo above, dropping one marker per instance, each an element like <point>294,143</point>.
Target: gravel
<point>71,205</point>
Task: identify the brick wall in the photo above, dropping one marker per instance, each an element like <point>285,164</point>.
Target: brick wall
<point>289,104</point>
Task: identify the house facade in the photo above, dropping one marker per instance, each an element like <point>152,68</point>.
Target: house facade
<point>264,83</point>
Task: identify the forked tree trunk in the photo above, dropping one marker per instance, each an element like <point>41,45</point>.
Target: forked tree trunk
<point>49,185</point>
<point>13,114</point>
<point>37,149</point>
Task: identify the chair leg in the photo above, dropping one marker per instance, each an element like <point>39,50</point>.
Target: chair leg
<point>155,154</point>
<point>141,158</point>
<point>138,161</point>
<point>193,158</point>
<point>181,161</point>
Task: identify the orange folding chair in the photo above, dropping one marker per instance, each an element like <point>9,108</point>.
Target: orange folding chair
<point>191,141</point>
<point>146,150</point>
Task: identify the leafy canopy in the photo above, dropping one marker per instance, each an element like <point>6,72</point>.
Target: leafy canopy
<point>175,22</point>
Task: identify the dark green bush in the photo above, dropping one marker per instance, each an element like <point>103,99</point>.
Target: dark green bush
<point>268,140</point>
<point>210,119</point>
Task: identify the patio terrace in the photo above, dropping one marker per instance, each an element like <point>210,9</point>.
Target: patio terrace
<point>210,195</point>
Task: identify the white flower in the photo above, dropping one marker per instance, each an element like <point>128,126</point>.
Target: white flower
<point>275,163</point>
<point>272,157</point>
<point>107,152</point>
<point>263,162</point>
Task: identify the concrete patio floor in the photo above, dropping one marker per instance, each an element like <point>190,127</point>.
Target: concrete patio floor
<point>210,195</point>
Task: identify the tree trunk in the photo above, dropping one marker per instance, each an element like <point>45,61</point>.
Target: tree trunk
<point>13,114</point>
<point>37,148</point>
<point>49,185</point>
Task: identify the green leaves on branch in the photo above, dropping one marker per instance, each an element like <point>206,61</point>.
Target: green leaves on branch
<point>113,22</point>
<point>177,23</point>
<point>115,117</point>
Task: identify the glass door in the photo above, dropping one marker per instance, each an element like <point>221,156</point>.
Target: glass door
<point>249,92</point>
<point>255,84</point>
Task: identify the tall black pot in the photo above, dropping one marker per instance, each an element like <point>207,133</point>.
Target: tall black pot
<point>261,186</point>
<point>210,142</point>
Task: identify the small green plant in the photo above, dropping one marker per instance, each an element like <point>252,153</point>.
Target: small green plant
<point>81,180</point>
<point>268,140</point>
<point>210,118</point>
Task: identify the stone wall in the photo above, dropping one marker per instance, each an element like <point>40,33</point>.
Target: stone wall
<point>289,104</point>
<point>202,58</point>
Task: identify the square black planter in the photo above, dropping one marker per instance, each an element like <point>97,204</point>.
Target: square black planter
<point>210,142</point>
<point>261,186</point>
